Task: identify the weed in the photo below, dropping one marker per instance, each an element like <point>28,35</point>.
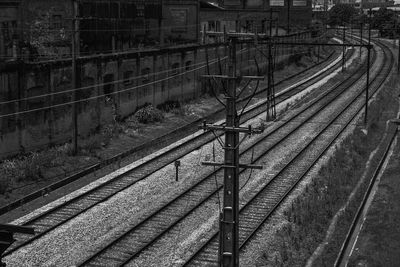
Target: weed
<point>169,105</point>
<point>93,143</point>
<point>31,166</point>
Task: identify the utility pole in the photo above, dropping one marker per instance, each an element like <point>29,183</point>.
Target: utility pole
<point>344,49</point>
<point>229,217</point>
<point>271,109</point>
<point>161,27</point>
<point>368,66</point>
<point>361,36</point>
<point>288,17</point>
<point>398,52</point>
<point>75,73</point>
<point>398,55</point>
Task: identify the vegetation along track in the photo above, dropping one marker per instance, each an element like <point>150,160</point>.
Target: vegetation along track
<point>59,215</point>
<point>255,213</point>
<point>127,156</point>
<point>347,245</point>
<point>141,236</point>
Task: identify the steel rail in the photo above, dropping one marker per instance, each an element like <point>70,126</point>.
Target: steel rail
<point>91,200</point>
<point>357,217</point>
<point>211,242</point>
<point>132,234</point>
<point>125,154</point>
<point>316,160</point>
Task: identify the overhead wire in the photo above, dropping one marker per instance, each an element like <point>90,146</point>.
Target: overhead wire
<point>107,83</point>
<point>203,64</point>
<point>94,97</point>
<point>91,98</point>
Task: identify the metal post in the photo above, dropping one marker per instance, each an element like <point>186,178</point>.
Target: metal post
<point>288,17</point>
<point>229,254</point>
<point>351,32</point>
<point>177,164</point>
<point>161,26</point>
<point>269,91</point>
<point>75,51</point>
<point>398,58</point>
<point>398,52</point>
<point>368,66</point>
<point>361,36</point>
<point>270,22</point>
<point>344,49</point>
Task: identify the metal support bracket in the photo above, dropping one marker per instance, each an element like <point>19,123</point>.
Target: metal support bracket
<point>244,166</point>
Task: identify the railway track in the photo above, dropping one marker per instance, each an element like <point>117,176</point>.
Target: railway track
<point>59,215</point>
<point>255,213</point>
<point>126,157</point>
<point>359,216</point>
<point>145,234</point>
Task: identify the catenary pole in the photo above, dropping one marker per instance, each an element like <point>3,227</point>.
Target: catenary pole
<point>230,213</point>
<point>75,52</point>
<point>368,67</point>
<point>344,49</point>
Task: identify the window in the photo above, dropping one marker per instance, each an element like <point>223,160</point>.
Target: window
<point>188,65</point>
<point>145,75</point>
<point>128,77</point>
<point>175,69</point>
<point>108,85</point>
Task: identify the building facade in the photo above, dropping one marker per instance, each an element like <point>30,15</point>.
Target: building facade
<point>9,29</point>
<point>250,15</point>
<point>41,29</point>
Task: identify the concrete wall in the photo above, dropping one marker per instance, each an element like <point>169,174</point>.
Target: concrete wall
<point>112,85</point>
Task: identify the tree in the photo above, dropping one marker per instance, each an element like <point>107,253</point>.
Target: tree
<point>341,14</point>
<point>384,20</point>
<point>43,37</point>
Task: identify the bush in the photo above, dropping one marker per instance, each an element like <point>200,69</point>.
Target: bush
<point>110,130</point>
<point>149,114</point>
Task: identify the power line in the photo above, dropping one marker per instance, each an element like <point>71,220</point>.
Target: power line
<point>202,64</point>
<point>98,96</point>
<point>95,97</point>
<point>108,83</point>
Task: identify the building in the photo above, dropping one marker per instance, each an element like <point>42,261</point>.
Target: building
<point>45,26</point>
<point>250,15</point>
<point>123,24</point>
<point>9,29</point>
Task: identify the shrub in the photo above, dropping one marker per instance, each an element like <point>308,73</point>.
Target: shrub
<point>149,114</point>
<point>110,130</point>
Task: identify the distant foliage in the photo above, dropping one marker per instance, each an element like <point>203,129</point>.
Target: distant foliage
<point>385,21</point>
<point>341,14</point>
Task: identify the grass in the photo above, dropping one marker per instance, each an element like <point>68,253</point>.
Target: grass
<point>310,215</point>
